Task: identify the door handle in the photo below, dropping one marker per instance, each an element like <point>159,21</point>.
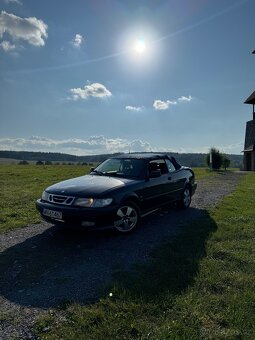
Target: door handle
<point>169,178</point>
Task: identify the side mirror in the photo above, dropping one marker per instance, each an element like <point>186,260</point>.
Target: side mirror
<point>155,173</point>
<point>92,169</point>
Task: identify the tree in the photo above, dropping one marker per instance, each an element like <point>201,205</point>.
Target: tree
<point>225,162</point>
<point>214,159</point>
<point>39,163</point>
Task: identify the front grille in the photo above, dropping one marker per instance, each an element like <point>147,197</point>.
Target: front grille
<point>59,199</point>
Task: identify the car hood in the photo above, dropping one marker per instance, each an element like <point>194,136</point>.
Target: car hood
<point>88,186</point>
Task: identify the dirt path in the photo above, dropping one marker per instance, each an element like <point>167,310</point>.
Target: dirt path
<point>42,266</point>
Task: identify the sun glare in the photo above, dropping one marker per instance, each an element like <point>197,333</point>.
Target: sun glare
<point>140,46</point>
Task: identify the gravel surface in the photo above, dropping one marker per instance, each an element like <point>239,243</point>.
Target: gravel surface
<point>42,266</point>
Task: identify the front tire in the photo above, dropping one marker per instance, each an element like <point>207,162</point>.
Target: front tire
<point>127,217</point>
<point>186,199</point>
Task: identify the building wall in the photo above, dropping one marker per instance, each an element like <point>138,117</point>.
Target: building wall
<point>249,157</point>
<point>249,161</point>
<point>250,134</point>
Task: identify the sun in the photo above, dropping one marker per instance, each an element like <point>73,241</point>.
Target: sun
<point>140,46</point>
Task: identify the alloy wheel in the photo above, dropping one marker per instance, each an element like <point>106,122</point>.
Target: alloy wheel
<point>126,218</point>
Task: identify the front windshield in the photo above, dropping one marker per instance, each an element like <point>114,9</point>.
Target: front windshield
<point>122,167</point>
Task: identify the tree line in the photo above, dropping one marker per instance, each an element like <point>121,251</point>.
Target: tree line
<point>187,159</point>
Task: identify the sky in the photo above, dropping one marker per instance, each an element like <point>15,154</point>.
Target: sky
<point>103,76</point>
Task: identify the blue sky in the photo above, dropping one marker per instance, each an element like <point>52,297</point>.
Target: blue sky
<point>103,76</point>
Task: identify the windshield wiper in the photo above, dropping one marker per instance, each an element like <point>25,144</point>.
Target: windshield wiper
<point>110,173</point>
<point>98,172</point>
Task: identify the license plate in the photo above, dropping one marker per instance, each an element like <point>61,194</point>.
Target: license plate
<point>52,213</point>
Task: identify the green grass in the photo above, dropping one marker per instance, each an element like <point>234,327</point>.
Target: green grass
<point>21,185</point>
<point>206,172</point>
<point>198,285</point>
<point>203,172</point>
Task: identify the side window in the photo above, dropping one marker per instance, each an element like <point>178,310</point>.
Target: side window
<point>158,164</point>
<point>170,165</point>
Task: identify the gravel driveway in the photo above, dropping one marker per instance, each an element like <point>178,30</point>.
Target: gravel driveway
<point>42,266</point>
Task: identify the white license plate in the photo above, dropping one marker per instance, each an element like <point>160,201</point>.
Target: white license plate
<point>52,213</point>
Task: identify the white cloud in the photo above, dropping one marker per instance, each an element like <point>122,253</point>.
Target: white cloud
<point>185,99</point>
<point>7,46</point>
<point>13,1</point>
<point>92,90</point>
<point>235,148</point>
<point>91,146</point>
<point>140,146</point>
<point>133,108</point>
<point>101,145</point>
<point>163,105</point>
<point>32,30</point>
<point>77,40</point>
<point>232,148</point>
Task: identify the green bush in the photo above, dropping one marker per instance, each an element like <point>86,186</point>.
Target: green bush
<point>225,162</point>
<point>214,159</point>
<point>23,163</point>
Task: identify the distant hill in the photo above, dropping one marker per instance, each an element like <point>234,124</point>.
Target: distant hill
<point>188,159</point>
<point>52,156</point>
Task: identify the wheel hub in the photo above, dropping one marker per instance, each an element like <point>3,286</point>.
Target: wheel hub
<point>127,218</point>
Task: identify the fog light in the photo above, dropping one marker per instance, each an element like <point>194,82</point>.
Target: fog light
<point>87,224</point>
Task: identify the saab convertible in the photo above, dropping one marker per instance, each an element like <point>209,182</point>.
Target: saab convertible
<point>118,192</point>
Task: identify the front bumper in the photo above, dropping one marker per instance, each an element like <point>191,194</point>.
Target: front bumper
<point>97,217</point>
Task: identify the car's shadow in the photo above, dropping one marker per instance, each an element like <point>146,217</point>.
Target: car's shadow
<point>73,265</point>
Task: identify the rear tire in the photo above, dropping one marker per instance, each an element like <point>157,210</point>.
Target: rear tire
<point>127,217</point>
<point>184,203</point>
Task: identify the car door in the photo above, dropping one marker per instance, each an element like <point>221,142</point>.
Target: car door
<point>156,190</point>
<point>176,181</point>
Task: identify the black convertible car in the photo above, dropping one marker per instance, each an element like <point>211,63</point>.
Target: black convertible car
<point>118,192</point>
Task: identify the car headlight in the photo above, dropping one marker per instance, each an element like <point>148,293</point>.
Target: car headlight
<point>83,202</point>
<point>102,202</point>
<point>94,203</point>
<point>45,196</point>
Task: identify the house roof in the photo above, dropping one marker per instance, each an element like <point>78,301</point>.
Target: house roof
<point>250,99</point>
<point>250,148</point>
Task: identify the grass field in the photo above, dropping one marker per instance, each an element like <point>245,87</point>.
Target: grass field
<point>21,185</point>
<point>198,285</point>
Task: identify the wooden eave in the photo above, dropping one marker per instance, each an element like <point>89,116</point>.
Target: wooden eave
<point>250,148</point>
<point>250,99</point>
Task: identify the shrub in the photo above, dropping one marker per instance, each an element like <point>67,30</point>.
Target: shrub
<point>225,162</point>
<point>23,163</point>
<point>214,159</point>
